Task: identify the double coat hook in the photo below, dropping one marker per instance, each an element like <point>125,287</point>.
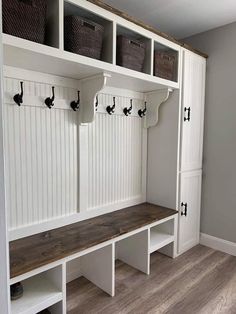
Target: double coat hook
<point>75,103</point>
<point>127,111</point>
<point>141,112</point>
<point>49,101</point>
<point>111,109</point>
<point>18,98</point>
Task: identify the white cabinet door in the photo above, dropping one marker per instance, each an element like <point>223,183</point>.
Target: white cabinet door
<point>193,96</point>
<point>189,210</point>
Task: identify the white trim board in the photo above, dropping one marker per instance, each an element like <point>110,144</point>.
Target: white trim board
<point>218,244</point>
<point>25,231</point>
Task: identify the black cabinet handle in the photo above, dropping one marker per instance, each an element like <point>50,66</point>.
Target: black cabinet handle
<point>185,211</point>
<point>188,115</point>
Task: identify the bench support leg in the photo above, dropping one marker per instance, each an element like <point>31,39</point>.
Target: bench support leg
<point>134,251</point>
<point>99,268</point>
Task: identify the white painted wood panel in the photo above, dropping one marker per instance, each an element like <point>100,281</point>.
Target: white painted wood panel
<point>41,157</point>
<point>48,156</point>
<point>99,268</point>
<point>114,159</point>
<point>189,225</point>
<point>4,247</point>
<point>193,97</point>
<point>134,251</point>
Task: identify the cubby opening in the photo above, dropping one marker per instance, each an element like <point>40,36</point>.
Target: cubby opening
<point>161,235</point>
<point>107,40</point>
<point>165,62</point>
<point>96,266</point>
<point>133,251</point>
<point>134,39</point>
<point>40,292</point>
<point>44,33</point>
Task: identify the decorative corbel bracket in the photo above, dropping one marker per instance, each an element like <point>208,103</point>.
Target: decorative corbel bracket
<point>154,100</point>
<point>90,87</point>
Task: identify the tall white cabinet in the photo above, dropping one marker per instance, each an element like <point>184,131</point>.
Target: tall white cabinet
<point>193,90</point>
<point>175,151</point>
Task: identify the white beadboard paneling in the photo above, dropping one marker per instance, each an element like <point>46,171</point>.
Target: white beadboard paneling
<point>41,157</point>
<point>42,162</point>
<point>115,159</point>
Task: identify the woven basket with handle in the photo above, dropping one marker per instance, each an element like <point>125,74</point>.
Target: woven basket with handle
<point>165,64</point>
<point>83,37</point>
<point>130,53</point>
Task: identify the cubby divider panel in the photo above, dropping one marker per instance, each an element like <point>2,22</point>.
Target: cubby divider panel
<point>133,251</point>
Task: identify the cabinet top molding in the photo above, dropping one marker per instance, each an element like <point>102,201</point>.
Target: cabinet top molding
<point>126,16</point>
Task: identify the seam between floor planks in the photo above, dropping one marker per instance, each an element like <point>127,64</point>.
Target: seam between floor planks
<point>171,287</point>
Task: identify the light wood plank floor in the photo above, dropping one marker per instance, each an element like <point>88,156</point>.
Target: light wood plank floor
<point>200,281</point>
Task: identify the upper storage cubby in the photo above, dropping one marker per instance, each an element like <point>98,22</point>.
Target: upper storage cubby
<point>34,20</point>
<point>165,63</point>
<point>87,34</point>
<point>133,51</point>
<point>83,40</point>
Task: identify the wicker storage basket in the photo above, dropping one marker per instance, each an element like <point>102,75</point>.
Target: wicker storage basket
<point>25,19</point>
<point>165,63</point>
<point>83,36</point>
<point>130,53</point>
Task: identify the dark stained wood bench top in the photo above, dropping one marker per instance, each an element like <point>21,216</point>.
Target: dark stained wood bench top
<point>43,248</point>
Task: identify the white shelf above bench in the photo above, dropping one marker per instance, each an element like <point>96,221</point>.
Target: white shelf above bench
<point>32,56</point>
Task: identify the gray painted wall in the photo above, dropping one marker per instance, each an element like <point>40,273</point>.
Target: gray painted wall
<point>218,216</point>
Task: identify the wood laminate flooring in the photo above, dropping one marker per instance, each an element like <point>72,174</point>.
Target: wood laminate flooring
<point>201,280</point>
<point>43,248</point>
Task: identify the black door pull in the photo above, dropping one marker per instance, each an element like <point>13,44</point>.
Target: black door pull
<point>188,115</point>
<point>185,211</point>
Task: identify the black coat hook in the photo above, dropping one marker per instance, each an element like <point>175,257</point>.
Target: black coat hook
<point>127,111</point>
<point>75,103</point>
<point>49,101</point>
<point>111,109</point>
<point>141,112</point>
<point>96,103</point>
<point>18,98</point>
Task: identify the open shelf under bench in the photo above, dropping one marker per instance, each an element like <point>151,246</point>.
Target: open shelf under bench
<point>39,293</point>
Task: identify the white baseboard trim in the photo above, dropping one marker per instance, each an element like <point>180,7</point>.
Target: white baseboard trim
<point>218,244</point>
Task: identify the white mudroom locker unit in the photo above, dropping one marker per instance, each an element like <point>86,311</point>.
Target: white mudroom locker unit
<point>89,142</point>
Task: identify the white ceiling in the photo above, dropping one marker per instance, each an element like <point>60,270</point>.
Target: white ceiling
<point>180,18</point>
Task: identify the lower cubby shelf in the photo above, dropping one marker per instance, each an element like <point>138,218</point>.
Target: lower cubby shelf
<point>159,239</point>
<point>161,235</point>
<point>40,292</point>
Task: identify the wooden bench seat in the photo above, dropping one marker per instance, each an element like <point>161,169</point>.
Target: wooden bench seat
<point>32,252</point>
